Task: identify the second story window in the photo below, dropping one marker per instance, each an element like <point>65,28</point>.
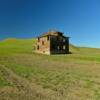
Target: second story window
<point>48,37</point>
<point>38,39</point>
<point>42,42</point>
<point>64,40</point>
<point>57,38</point>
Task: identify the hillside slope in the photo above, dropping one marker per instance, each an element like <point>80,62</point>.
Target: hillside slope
<point>28,76</point>
<point>24,45</point>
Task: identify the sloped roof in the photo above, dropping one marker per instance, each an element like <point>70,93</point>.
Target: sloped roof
<point>50,33</point>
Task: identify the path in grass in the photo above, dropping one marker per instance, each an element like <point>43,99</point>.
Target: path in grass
<point>22,89</point>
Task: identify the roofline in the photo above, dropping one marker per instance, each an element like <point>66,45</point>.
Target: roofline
<point>49,33</point>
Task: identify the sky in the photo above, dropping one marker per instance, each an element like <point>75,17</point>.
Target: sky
<point>78,19</point>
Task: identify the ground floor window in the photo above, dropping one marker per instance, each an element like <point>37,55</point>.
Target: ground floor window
<point>38,47</point>
<point>64,47</point>
<point>58,47</point>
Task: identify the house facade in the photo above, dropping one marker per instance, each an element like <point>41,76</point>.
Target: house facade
<point>52,42</point>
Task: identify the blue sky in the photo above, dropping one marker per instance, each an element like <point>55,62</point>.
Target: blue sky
<point>79,19</point>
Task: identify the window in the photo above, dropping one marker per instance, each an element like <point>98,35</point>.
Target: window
<point>57,38</point>
<point>48,37</point>
<point>64,47</point>
<point>58,47</point>
<point>64,40</point>
<point>38,39</point>
<point>37,47</point>
<point>42,42</point>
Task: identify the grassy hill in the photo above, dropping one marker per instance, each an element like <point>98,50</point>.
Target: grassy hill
<point>28,76</point>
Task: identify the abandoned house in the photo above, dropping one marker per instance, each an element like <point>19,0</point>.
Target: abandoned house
<point>52,42</point>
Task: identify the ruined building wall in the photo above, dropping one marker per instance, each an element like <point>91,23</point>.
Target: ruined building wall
<point>43,45</point>
<point>54,43</point>
<point>59,45</point>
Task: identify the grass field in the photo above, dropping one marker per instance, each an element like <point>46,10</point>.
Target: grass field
<point>25,75</point>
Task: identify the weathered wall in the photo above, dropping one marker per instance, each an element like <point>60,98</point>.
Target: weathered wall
<point>55,44</point>
<point>44,45</point>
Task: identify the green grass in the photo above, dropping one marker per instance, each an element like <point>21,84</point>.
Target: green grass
<point>3,82</point>
<point>74,76</point>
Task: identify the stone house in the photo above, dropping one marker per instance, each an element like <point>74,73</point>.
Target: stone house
<point>52,42</point>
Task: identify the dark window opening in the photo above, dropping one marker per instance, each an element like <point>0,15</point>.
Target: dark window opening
<point>38,47</point>
<point>60,47</point>
<point>42,42</point>
<point>57,38</point>
<point>38,39</point>
<point>48,37</point>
